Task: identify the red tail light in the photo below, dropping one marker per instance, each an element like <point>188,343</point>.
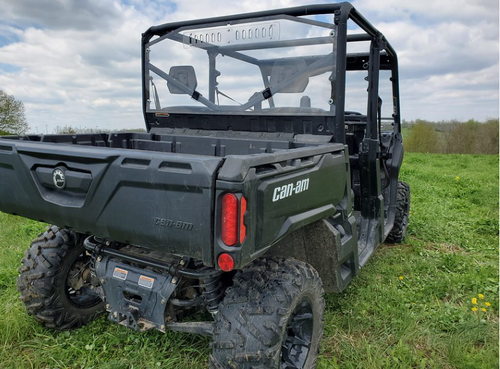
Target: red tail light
<point>229,232</point>
<point>226,262</point>
<point>233,213</point>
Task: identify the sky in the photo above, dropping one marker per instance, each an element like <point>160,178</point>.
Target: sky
<point>77,62</point>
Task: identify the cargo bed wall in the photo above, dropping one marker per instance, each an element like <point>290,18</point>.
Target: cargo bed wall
<point>283,192</point>
<point>185,141</point>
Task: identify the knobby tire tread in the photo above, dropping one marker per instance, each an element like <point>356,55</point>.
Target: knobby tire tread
<point>252,319</point>
<point>42,281</point>
<point>398,232</point>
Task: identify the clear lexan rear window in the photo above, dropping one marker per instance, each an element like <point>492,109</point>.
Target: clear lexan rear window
<point>221,68</point>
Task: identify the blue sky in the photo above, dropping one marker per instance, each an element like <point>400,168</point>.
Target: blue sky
<point>77,62</point>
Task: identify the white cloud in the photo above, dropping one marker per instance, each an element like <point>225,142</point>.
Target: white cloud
<point>454,96</point>
<point>471,12</point>
<point>78,61</point>
<point>62,14</point>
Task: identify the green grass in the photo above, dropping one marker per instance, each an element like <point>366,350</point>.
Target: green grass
<point>423,320</point>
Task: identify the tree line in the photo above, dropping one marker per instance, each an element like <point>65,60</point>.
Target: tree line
<point>453,137</point>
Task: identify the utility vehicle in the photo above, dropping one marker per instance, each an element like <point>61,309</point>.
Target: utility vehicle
<point>268,175</point>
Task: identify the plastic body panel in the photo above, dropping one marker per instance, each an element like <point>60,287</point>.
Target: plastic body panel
<point>155,200</point>
<point>284,192</point>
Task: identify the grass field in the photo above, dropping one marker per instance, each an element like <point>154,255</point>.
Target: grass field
<point>410,307</point>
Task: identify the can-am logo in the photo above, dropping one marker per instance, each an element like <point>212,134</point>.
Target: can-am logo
<point>287,190</point>
<point>59,178</point>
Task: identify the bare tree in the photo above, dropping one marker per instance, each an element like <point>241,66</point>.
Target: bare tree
<point>12,119</point>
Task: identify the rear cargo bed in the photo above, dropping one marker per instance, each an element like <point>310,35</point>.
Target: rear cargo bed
<point>146,189</point>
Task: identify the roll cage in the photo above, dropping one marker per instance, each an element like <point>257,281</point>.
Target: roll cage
<point>380,56</point>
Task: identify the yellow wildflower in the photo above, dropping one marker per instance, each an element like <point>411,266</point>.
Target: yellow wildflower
<point>401,277</point>
<point>487,304</point>
<point>457,178</point>
<point>474,308</point>
<point>481,296</point>
<point>474,301</point>
<point>483,309</point>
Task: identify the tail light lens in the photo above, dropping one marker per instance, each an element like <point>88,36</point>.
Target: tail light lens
<point>233,211</point>
<point>229,232</point>
<point>226,262</point>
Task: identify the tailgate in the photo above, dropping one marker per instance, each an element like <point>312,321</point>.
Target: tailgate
<point>156,200</point>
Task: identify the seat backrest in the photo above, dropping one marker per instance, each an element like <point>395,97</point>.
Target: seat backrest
<point>283,70</point>
<point>184,74</point>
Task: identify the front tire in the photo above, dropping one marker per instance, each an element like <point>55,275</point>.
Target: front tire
<point>55,281</point>
<point>402,216</point>
<point>272,317</point>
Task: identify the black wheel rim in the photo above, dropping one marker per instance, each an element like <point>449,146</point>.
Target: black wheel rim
<point>78,286</point>
<point>297,342</point>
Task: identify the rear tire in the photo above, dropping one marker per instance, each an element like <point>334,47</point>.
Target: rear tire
<point>401,219</point>
<point>54,281</point>
<point>272,317</point>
